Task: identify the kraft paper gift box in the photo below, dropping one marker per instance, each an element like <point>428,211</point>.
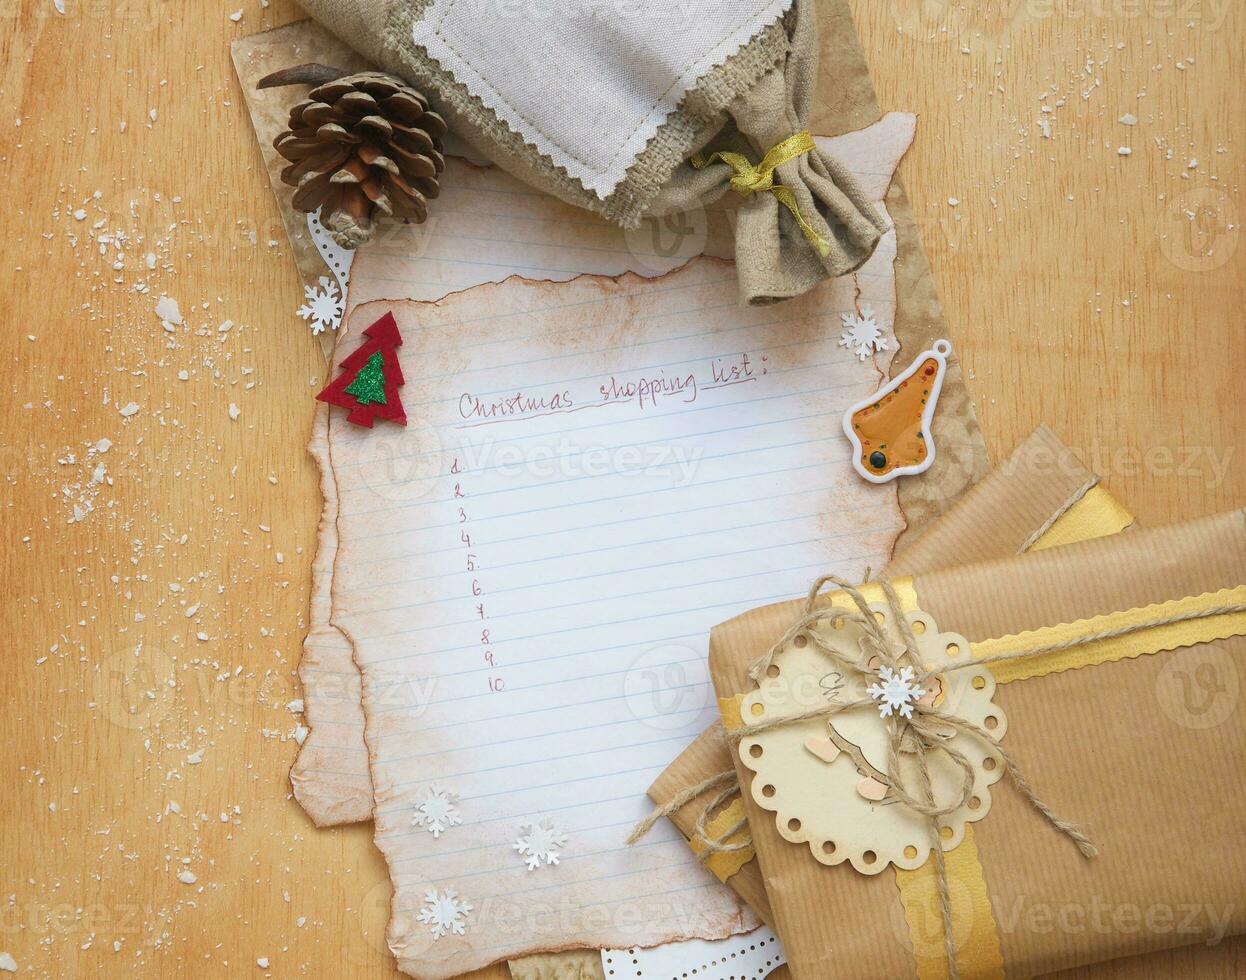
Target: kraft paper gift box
<point>1041,496</point>
<point>1131,729</point>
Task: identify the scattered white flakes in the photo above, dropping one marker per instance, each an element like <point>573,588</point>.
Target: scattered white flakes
<point>540,843</point>
<point>235,17</point>
<point>7,963</point>
<point>234,411</point>
<point>151,114</point>
<point>202,637</point>
<point>444,912</point>
<point>1193,164</point>
<point>225,326</point>
<point>195,758</point>
<point>167,309</point>
<point>103,445</point>
<point>80,214</point>
<point>295,706</point>
<point>186,876</point>
<point>1123,151</point>
<point>953,201</point>
<point>183,375</point>
<point>150,257</point>
<point>1128,119</point>
<point>128,409</point>
<point>437,811</point>
<point>260,961</point>
<point>301,921</point>
<point>191,610</point>
<point>300,734</point>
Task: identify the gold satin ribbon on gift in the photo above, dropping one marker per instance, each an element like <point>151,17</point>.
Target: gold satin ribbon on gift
<point>978,952</point>
<point>749,179</point>
<point>1096,514</point>
<point>1144,630</point>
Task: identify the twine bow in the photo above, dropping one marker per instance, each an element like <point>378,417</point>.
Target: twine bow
<point>749,179</point>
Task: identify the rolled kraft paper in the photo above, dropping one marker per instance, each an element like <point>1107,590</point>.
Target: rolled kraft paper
<point>754,100</point>
<point>1116,745</point>
<point>1039,486</point>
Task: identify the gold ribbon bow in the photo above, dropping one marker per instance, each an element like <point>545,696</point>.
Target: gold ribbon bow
<point>750,180</point>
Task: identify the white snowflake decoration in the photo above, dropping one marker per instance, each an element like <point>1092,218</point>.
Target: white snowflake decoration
<point>444,912</point>
<point>862,335</point>
<point>437,812</point>
<point>540,842</point>
<point>324,306</point>
<point>896,693</point>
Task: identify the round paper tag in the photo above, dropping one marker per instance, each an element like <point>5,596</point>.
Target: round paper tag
<point>826,779</point>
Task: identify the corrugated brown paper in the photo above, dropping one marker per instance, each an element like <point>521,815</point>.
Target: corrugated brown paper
<point>992,520</point>
<point>1119,748</point>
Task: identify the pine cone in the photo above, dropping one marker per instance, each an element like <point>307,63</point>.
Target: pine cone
<point>357,143</point>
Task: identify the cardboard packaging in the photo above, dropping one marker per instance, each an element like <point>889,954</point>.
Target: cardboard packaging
<point>1041,496</point>
<point>1138,738</point>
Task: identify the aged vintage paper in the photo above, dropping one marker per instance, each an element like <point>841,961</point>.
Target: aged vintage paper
<point>489,227</point>
<point>606,468</point>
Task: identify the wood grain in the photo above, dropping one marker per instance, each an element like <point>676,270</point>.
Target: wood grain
<point>1097,292</point>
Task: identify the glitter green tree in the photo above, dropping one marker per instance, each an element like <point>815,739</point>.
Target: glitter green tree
<point>369,384</point>
<point>370,377</point>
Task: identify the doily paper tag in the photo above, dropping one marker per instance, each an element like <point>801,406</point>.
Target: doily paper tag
<point>826,779</point>
<point>752,956</point>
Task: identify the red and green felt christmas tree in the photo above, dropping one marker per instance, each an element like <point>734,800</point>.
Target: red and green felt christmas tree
<point>368,384</point>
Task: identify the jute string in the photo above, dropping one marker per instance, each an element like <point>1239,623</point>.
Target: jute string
<point>1047,525</point>
<point>916,736</point>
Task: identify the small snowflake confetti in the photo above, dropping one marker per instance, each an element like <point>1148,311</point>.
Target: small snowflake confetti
<point>324,306</point>
<point>862,334</point>
<point>540,842</point>
<point>444,912</point>
<point>437,812</point>
<point>896,693</point>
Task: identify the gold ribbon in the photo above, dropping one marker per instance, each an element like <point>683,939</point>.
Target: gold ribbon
<point>749,179</point>
<point>978,954</point>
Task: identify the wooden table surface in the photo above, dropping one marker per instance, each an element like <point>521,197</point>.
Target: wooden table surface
<point>156,550</point>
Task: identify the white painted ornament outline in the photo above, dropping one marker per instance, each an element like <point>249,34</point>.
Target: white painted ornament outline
<point>939,353</point>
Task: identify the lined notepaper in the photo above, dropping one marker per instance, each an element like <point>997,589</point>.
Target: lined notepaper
<point>486,228</point>
<point>602,470</point>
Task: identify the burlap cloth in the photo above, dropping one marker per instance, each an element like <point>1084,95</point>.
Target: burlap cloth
<point>751,102</point>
